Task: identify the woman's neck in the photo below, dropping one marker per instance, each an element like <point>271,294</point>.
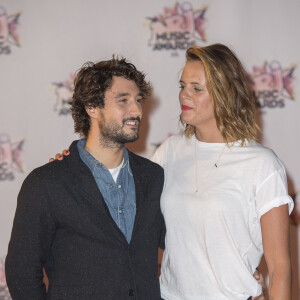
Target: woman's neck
<point>209,136</point>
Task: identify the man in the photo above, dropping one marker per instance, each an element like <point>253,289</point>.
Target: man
<point>93,221</point>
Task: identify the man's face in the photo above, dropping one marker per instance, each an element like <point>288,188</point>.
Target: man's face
<point>120,118</point>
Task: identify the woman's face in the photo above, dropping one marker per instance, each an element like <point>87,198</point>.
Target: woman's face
<point>196,103</point>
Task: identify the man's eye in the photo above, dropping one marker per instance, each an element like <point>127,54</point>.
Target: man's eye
<point>141,100</point>
<point>123,100</point>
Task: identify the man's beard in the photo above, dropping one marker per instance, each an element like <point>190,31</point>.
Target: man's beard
<point>112,135</point>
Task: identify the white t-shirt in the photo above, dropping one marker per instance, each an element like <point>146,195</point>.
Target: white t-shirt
<point>115,172</point>
<point>213,240</point>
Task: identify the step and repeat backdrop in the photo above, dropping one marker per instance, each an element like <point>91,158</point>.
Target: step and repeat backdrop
<point>43,43</point>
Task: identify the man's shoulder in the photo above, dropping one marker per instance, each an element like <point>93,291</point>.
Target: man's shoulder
<point>46,172</point>
<point>56,168</point>
<point>147,172</point>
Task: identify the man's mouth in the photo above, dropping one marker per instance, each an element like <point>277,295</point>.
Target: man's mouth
<point>133,122</point>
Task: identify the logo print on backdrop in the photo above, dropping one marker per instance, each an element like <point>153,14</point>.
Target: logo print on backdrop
<point>8,31</point>
<point>64,92</point>
<point>272,85</point>
<point>4,294</point>
<point>178,28</point>
<point>10,157</point>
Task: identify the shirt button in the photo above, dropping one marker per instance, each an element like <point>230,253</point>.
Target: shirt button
<point>119,186</point>
<point>131,292</point>
<point>111,185</point>
<point>120,211</point>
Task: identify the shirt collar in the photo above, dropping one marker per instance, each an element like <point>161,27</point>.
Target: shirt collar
<point>90,161</point>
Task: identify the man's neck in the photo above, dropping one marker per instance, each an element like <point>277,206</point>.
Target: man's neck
<point>111,157</point>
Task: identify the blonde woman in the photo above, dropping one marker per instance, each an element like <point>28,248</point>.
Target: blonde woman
<point>225,200</point>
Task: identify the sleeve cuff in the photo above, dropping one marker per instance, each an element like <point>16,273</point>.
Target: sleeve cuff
<point>276,203</point>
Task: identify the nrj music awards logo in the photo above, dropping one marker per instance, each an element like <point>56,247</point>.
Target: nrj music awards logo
<point>64,92</point>
<point>178,27</point>
<point>272,85</point>
<point>10,157</point>
<point>4,294</point>
<point>8,31</point>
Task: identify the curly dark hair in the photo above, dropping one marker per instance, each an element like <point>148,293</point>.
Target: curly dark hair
<point>91,83</point>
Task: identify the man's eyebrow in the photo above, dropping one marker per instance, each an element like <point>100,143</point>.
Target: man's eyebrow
<point>126,95</point>
<point>122,95</point>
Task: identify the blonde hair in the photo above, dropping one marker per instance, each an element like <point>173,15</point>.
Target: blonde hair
<point>227,84</point>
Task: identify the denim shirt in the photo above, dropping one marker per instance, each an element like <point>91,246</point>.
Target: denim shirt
<point>119,196</point>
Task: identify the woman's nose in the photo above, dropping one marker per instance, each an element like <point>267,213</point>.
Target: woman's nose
<point>184,93</point>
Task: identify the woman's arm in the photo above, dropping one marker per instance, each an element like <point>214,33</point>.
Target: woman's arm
<point>276,243</point>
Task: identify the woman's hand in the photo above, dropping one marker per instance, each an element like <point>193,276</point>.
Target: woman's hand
<point>60,156</point>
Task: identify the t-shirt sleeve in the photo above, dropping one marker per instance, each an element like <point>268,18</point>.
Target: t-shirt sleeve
<point>159,155</point>
<point>272,190</point>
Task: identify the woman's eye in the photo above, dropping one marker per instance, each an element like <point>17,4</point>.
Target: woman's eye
<point>181,87</point>
<point>140,100</point>
<point>123,100</point>
<point>198,89</point>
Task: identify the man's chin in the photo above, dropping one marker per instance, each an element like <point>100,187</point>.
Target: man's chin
<point>133,139</point>
<point>128,139</point>
<point>132,136</point>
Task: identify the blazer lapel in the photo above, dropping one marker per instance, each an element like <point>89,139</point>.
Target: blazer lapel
<point>139,181</point>
<point>89,188</point>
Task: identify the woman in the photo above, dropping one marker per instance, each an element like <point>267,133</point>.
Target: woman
<point>225,198</point>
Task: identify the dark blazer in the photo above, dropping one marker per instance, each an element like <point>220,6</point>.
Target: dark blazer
<point>63,224</point>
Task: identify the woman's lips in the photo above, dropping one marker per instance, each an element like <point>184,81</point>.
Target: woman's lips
<point>185,107</point>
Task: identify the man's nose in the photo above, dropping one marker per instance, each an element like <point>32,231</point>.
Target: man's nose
<point>136,109</point>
